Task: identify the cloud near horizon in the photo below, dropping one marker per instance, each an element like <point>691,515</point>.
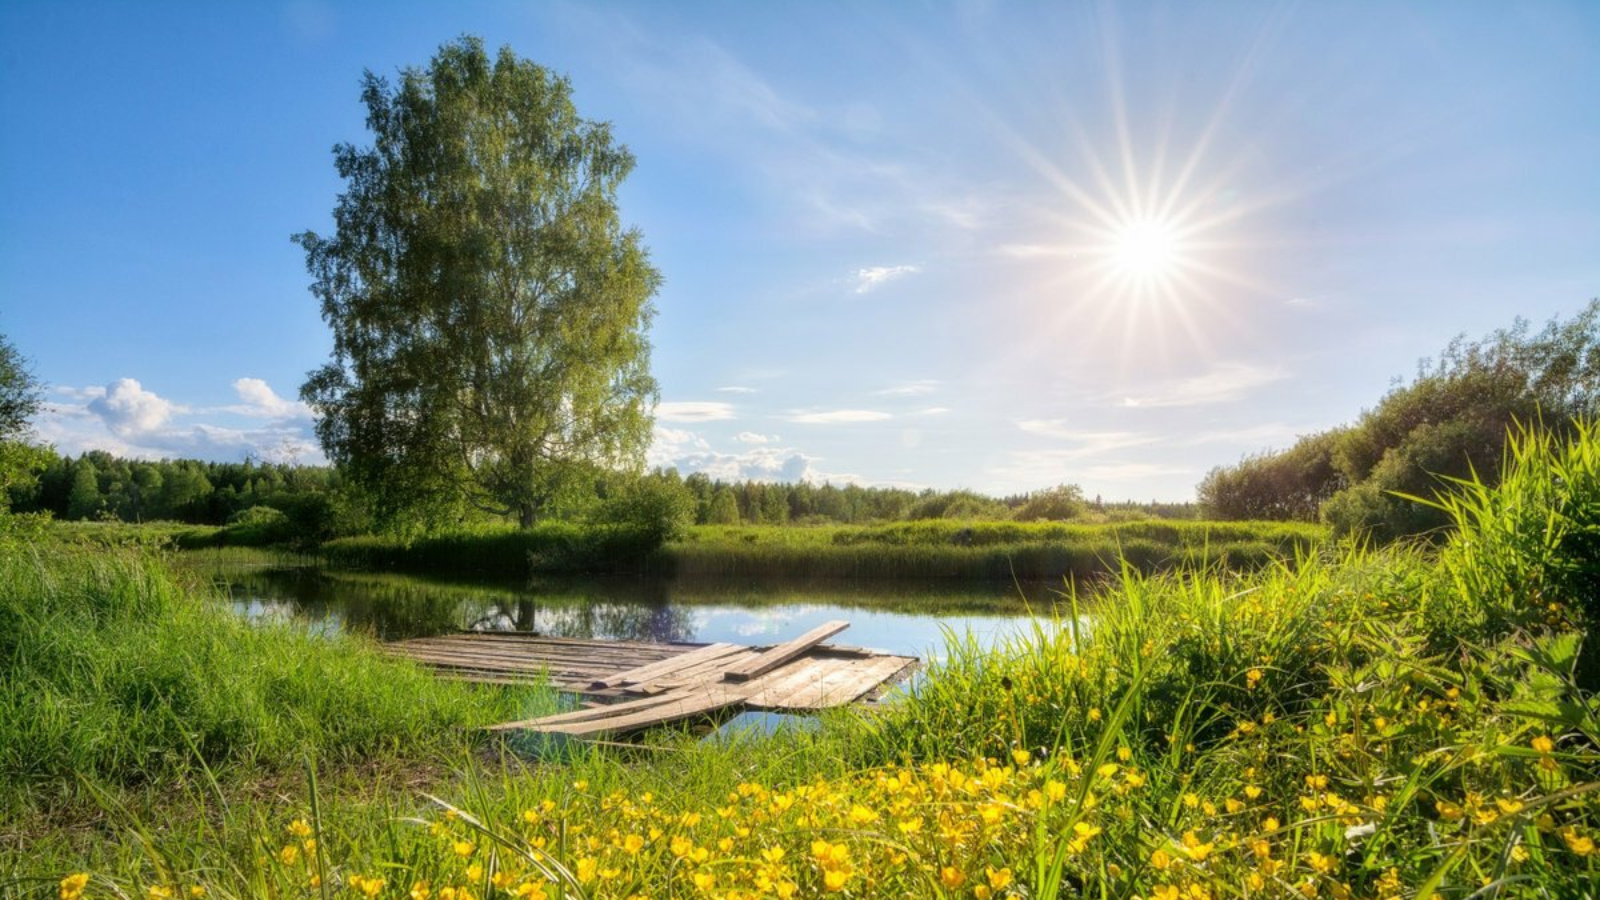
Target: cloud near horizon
<point>693,411</point>
<point>838,416</point>
<point>126,419</point>
<point>871,278</point>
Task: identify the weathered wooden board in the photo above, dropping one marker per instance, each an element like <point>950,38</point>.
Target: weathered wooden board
<point>777,656</point>
<point>630,685</point>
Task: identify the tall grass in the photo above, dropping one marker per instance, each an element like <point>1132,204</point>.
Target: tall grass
<point>113,675</point>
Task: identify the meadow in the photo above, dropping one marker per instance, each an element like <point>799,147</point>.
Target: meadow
<point>1349,722</point>
<point>953,549</point>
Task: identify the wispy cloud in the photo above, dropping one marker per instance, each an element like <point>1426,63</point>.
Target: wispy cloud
<point>1088,443</point>
<point>693,411</point>
<point>1226,383</point>
<point>933,411</point>
<point>750,437</point>
<point>870,279</point>
<point>736,389</point>
<point>838,416</point>
<point>909,388</point>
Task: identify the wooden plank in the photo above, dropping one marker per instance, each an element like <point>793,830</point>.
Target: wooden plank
<point>708,671</point>
<point>603,711</point>
<point>654,670</point>
<point>784,652</point>
<point>678,707</point>
<point>838,686</point>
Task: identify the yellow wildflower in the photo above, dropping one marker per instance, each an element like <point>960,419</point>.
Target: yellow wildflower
<point>952,877</point>
<point>71,887</point>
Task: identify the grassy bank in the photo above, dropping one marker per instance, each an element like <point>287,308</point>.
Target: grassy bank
<point>115,677</point>
<point>931,549</point>
<point>1348,724</point>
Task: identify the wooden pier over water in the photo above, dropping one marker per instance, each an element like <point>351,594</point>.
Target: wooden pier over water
<point>630,685</point>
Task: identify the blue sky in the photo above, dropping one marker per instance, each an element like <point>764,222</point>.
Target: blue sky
<point>988,245</point>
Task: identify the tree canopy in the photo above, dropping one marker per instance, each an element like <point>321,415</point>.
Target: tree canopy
<point>1451,420</point>
<point>19,400</point>
<point>489,310</point>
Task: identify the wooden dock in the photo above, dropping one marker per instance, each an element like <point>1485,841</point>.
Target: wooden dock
<point>630,685</point>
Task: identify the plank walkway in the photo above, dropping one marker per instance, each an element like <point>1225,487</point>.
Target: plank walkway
<point>626,686</point>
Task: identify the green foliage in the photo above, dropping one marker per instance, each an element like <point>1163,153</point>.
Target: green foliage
<point>114,675</point>
<point>1527,552</point>
<point>488,307</point>
<point>956,505</point>
<point>1058,504</point>
<point>652,509</point>
<point>19,400</point>
<point>1449,422</point>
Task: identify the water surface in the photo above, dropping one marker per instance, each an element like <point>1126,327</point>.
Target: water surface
<point>899,616</point>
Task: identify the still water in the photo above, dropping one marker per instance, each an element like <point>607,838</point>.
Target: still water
<point>900,617</point>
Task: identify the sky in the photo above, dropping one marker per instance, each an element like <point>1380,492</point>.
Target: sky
<point>991,245</point>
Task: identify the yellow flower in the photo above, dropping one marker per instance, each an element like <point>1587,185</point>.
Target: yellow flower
<point>72,886</point>
<point>861,815</point>
<point>633,843</point>
<point>1543,745</point>
<point>998,879</point>
<point>705,879</point>
<point>1021,757</point>
<point>834,879</point>
<point>1254,676</point>
<point>419,891</point>
<point>463,849</point>
<point>587,867</point>
<point>159,892</point>
<point>1094,714</point>
<point>1320,863</point>
<point>1160,860</point>
<point>1583,845</point>
<point>197,891</point>
<point>951,877</point>
<point>289,855</point>
<point>1193,847</point>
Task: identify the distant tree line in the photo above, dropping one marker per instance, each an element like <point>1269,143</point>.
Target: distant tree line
<point>101,486</point>
<point>1451,420</point>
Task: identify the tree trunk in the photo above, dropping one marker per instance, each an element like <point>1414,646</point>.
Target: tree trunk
<point>525,514</point>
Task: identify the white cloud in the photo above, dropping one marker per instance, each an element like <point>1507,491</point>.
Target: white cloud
<point>909,388</point>
<point>128,410</point>
<point>694,411</point>
<point>838,416</point>
<point>262,402</point>
<point>1089,443</point>
<point>736,389</point>
<point>750,437</point>
<point>933,411</point>
<point>126,419</point>
<point>870,279</point>
<point>1228,382</point>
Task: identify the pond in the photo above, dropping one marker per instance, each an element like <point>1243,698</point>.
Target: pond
<point>895,616</point>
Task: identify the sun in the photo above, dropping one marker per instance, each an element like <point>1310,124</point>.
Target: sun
<point>1146,250</point>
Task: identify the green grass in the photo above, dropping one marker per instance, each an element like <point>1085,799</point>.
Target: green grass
<point>933,549</point>
<point>1345,723</point>
<point>114,676</point>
